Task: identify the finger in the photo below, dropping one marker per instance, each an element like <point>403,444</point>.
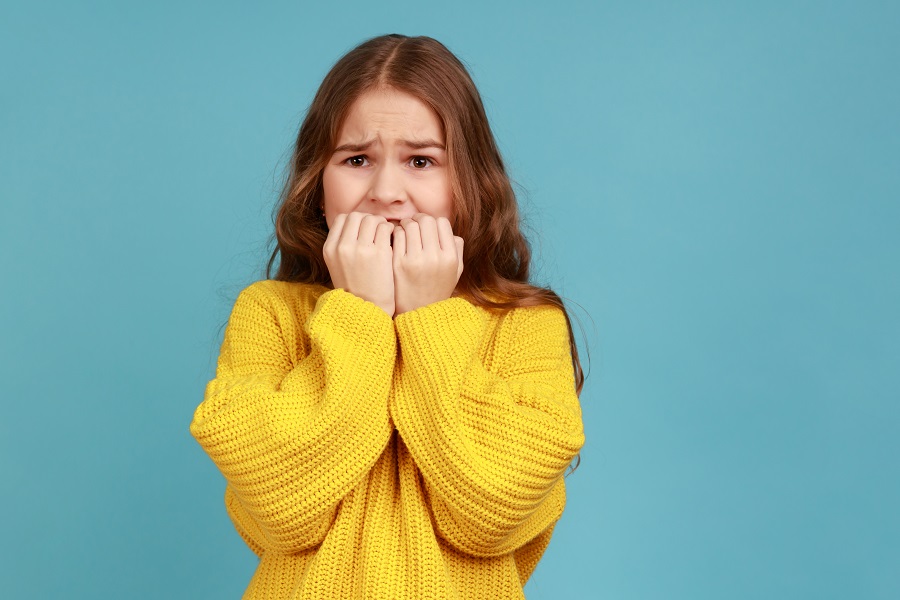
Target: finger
<point>413,236</point>
<point>383,233</point>
<point>350,233</point>
<point>367,227</point>
<point>429,232</point>
<point>334,234</point>
<point>399,243</point>
<point>445,234</point>
<point>459,254</point>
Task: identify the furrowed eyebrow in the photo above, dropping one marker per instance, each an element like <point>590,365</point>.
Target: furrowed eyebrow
<point>419,144</point>
<point>354,147</point>
<point>414,144</point>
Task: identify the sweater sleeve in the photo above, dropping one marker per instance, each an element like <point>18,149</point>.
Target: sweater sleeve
<point>293,437</point>
<point>492,443</point>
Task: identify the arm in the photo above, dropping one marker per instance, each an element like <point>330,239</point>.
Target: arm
<point>245,524</point>
<point>492,442</point>
<point>293,439</point>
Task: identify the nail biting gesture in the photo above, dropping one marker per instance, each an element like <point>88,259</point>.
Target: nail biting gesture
<point>423,266</point>
<point>427,261</point>
<point>357,253</point>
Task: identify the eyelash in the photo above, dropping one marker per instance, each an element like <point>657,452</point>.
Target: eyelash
<point>363,156</point>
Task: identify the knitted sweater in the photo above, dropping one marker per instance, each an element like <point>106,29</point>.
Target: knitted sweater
<point>370,457</point>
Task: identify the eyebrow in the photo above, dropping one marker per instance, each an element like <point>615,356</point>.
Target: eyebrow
<point>414,144</point>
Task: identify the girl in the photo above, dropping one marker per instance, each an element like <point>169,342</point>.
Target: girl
<point>394,411</point>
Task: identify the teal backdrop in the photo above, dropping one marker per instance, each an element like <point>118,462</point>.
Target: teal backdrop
<point>714,186</point>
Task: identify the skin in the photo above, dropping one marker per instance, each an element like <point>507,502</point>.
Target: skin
<point>388,205</point>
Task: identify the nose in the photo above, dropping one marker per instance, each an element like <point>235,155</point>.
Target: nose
<point>387,185</point>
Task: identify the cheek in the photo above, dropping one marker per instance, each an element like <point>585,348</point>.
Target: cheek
<point>446,200</point>
<point>437,198</point>
<point>327,186</point>
<point>335,192</point>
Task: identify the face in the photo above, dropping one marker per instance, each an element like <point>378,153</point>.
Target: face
<point>391,160</point>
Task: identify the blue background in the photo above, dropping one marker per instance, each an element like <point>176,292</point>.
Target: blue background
<point>716,184</point>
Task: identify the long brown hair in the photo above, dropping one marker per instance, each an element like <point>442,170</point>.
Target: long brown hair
<point>485,210</point>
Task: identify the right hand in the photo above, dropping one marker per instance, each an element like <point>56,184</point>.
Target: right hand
<point>358,255</point>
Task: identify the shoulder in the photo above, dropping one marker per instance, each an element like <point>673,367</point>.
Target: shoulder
<point>537,320</point>
<point>278,311</point>
<point>284,289</point>
<point>525,324</point>
<point>525,333</point>
<point>538,317</point>
<point>273,294</point>
<point>289,304</point>
<point>515,326</point>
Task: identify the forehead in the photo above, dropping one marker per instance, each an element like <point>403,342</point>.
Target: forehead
<point>390,113</point>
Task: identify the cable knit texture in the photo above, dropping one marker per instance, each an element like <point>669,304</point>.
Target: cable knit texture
<point>365,457</point>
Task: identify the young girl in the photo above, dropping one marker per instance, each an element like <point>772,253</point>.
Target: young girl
<point>394,412</point>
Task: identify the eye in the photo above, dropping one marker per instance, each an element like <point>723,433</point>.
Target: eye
<point>356,161</point>
<point>420,162</point>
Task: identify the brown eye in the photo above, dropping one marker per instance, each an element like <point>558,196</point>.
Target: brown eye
<point>420,162</point>
<point>356,161</point>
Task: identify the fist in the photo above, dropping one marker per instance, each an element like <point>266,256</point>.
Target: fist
<point>427,261</point>
<point>357,253</point>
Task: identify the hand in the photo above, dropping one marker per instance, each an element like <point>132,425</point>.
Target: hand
<point>357,252</point>
<point>428,260</point>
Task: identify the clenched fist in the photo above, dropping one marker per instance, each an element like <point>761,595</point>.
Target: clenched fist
<point>427,261</point>
<point>357,252</point>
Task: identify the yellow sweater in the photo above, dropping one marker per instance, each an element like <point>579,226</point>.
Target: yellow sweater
<point>365,457</point>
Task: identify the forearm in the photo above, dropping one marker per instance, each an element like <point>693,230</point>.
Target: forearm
<point>492,444</point>
<point>292,447</point>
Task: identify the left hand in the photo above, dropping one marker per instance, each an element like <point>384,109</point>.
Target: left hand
<point>427,261</point>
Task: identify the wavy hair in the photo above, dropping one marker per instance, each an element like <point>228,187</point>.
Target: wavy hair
<point>485,211</point>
